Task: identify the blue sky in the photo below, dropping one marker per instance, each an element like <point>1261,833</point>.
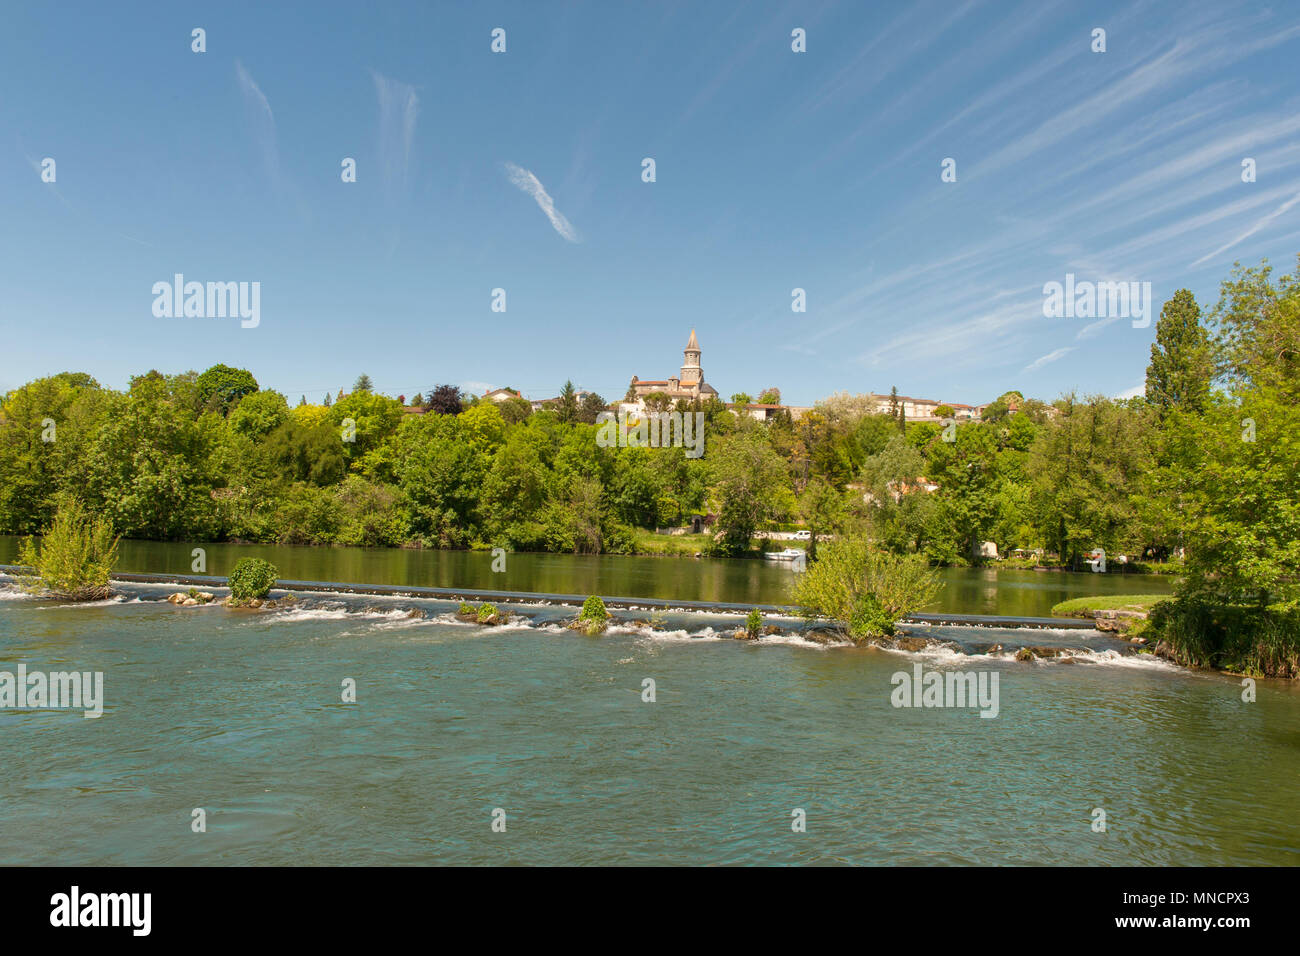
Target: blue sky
<point>775,170</point>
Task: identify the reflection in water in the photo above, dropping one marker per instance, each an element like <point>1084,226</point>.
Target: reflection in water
<point>969,591</point>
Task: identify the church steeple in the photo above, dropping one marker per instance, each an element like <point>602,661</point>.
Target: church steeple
<point>691,371</point>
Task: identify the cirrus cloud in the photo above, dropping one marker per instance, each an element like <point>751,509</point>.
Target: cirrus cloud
<point>527,182</point>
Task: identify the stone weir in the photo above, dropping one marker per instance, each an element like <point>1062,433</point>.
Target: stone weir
<point>532,597</point>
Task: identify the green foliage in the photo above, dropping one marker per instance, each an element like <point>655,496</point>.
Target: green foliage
<point>486,612</point>
<point>1231,469</point>
<point>259,414</point>
<point>864,590</point>
<point>1181,361</point>
<point>1205,465</point>
<point>593,609</point>
<point>754,623</point>
<point>221,387</point>
<point>590,407</point>
<point>1259,641</point>
<point>75,557</point>
<point>750,486</point>
<point>1084,606</point>
<point>567,407</point>
<point>1087,477</point>
<point>251,579</point>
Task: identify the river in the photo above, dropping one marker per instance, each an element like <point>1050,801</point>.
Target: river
<point>240,715</point>
<point>742,581</point>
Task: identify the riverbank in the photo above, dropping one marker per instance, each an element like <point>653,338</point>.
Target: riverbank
<point>1230,639</point>
<point>728,580</point>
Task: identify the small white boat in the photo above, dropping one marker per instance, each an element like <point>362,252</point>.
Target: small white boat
<point>789,554</point>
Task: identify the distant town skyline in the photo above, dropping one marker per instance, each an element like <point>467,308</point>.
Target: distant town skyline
<point>913,175</point>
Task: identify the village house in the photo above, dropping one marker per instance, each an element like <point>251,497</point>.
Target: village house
<point>925,409</point>
<point>765,412</point>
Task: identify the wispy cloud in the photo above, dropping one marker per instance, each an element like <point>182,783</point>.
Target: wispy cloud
<point>1049,357</point>
<point>263,118</point>
<point>1134,392</point>
<point>399,108</point>
<point>1258,225</point>
<point>530,184</point>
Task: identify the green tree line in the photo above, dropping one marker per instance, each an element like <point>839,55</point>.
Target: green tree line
<point>1206,463</point>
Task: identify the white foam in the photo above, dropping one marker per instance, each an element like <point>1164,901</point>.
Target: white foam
<point>115,599</point>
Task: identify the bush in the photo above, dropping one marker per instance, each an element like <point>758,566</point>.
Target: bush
<point>593,609</point>
<point>486,612</point>
<point>864,590</point>
<point>594,617</point>
<point>1260,641</point>
<point>252,579</point>
<point>76,555</point>
<point>754,622</point>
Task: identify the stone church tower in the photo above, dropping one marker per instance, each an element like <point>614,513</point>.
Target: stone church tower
<point>692,374</point>
<point>690,387</point>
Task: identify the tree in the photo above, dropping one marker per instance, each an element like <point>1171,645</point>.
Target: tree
<point>76,556</point>
<point>771,396</point>
<point>221,387</point>
<point>444,400</point>
<point>515,409</point>
<point>363,384</point>
<point>1256,327</point>
<point>742,399</point>
<point>1237,460</point>
<point>657,402</point>
<point>590,408</point>
<point>822,507</point>
<point>862,590</point>
<point>750,486</point>
<point>259,414</point>
<point>1087,469</point>
<point>1181,362</point>
<point>567,406</point>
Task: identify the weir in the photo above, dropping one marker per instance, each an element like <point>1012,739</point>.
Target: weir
<point>534,597</point>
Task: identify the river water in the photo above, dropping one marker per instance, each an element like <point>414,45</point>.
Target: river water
<point>240,714</point>
<point>743,581</point>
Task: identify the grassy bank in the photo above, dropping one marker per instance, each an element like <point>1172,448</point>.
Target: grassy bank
<point>1084,606</point>
<point>1257,641</point>
<point>688,545</point>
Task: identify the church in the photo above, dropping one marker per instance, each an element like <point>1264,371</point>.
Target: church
<point>690,386</point>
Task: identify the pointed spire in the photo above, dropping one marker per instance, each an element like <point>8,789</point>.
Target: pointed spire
<point>692,344</point>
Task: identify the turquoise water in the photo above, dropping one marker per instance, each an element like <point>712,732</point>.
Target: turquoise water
<point>239,713</point>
